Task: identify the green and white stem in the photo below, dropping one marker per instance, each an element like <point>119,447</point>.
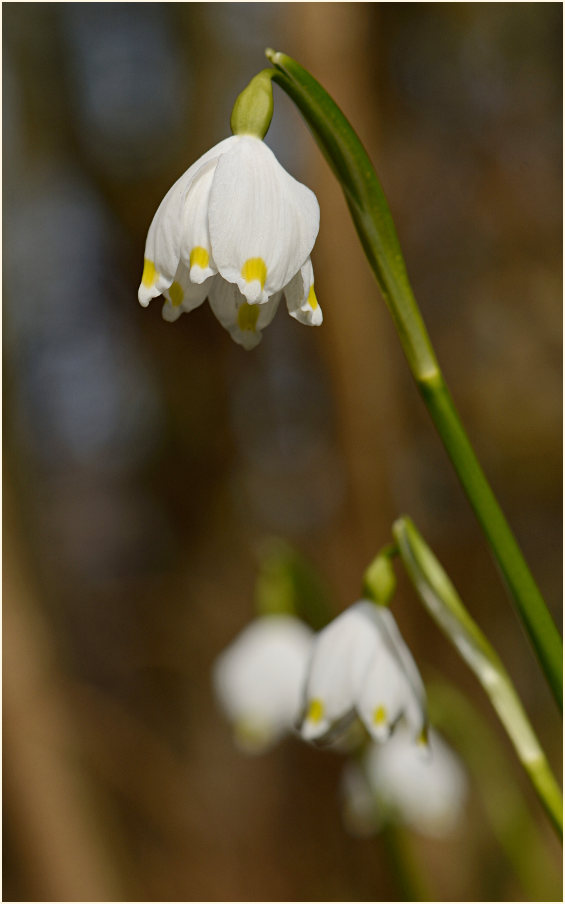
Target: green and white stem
<point>508,812</point>
<point>447,609</point>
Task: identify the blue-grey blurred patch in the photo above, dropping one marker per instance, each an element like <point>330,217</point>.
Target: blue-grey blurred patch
<point>129,81</point>
<point>246,27</point>
<point>84,395</point>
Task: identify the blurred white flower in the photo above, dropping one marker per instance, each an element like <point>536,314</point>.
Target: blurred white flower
<point>259,679</point>
<point>238,229</point>
<point>394,781</point>
<point>360,664</point>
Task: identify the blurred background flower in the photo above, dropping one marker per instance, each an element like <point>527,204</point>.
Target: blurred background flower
<point>259,680</point>
<point>398,781</point>
<point>144,463</point>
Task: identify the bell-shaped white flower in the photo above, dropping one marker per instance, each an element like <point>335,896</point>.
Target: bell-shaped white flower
<point>259,679</point>
<point>361,665</point>
<point>237,229</point>
<point>394,781</point>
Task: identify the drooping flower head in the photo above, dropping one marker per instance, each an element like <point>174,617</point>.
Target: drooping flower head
<point>394,781</point>
<point>361,665</point>
<point>259,679</point>
<point>237,229</point>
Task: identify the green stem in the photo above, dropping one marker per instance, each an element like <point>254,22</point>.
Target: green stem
<point>446,607</point>
<point>503,801</point>
<point>403,865</point>
<point>533,612</point>
<point>374,223</point>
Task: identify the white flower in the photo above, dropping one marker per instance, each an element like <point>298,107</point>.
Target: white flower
<point>259,679</point>
<point>394,780</point>
<point>238,229</point>
<point>360,664</point>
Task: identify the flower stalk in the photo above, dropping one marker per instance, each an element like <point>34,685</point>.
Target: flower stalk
<point>446,607</point>
<point>404,865</point>
<point>371,215</point>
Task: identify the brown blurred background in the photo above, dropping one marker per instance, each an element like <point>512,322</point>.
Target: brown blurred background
<point>146,462</point>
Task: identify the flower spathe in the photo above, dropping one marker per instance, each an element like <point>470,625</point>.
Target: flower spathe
<point>393,781</point>
<point>237,229</point>
<point>361,665</point>
<point>259,679</point>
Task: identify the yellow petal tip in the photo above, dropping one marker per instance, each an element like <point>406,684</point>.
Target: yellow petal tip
<point>423,740</point>
<point>247,315</point>
<point>380,715</point>
<point>315,711</point>
<point>199,257</point>
<point>312,300</point>
<point>253,269</point>
<point>149,273</point>
<point>176,294</point>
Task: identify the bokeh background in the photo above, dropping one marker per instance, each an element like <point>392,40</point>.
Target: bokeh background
<point>145,464</point>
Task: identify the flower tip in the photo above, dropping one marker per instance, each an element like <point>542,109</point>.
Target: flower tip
<point>314,723</point>
<point>270,54</point>
<point>142,298</point>
<point>252,737</point>
<point>310,731</point>
<point>423,744</point>
<point>381,733</point>
<point>379,725</point>
<point>145,295</point>
<point>170,313</point>
<point>247,339</point>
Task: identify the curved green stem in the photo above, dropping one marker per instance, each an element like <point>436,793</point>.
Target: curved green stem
<point>446,607</point>
<point>375,226</point>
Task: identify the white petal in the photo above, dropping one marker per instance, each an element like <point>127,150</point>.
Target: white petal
<point>183,295</point>
<point>301,299</point>
<point>341,656</point>
<point>263,223</point>
<point>427,794</point>
<point>384,696</point>
<point>170,313</point>
<point>196,250</point>
<point>164,239</point>
<point>243,321</point>
<point>415,701</point>
<point>258,679</point>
